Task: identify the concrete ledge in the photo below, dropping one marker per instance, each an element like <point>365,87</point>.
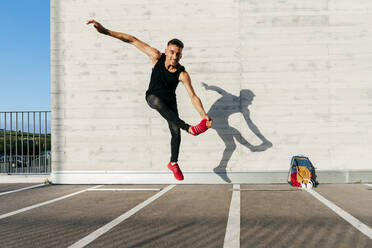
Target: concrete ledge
<point>32,178</point>
<point>150,177</point>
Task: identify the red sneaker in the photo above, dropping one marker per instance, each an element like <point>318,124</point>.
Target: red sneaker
<point>176,171</point>
<point>200,128</point>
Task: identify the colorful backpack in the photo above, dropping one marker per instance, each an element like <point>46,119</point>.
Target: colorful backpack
<point>302,172</point>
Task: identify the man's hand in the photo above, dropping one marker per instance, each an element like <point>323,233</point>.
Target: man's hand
<point>207,117</point>
<point>209,121</point>
<point>98,26</point>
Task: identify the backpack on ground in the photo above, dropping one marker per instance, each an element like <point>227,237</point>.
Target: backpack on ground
<point>302,172</point>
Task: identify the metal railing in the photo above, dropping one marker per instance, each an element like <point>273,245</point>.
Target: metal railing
<point>25,142</point>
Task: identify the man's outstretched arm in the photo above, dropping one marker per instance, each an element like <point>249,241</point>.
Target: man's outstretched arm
<point>153,53</point>
<point>196,102</point>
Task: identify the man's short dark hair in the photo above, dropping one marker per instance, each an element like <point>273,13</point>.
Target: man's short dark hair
<point>176,42</point>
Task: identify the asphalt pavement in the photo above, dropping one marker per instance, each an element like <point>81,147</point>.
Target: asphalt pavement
<point>185,216</point>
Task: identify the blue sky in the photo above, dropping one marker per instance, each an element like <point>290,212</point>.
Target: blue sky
<point>25,55</point>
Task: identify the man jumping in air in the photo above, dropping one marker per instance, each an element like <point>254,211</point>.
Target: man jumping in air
<point>161,96</point>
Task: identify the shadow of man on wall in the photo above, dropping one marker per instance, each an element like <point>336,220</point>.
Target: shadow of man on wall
<point>220,112</point>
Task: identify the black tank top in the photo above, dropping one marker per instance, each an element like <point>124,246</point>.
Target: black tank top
<point>163,83</point>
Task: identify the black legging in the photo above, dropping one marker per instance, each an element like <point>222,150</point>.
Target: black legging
<point>170,113</point>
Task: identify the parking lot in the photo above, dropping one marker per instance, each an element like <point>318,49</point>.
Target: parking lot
<point>245,215</point>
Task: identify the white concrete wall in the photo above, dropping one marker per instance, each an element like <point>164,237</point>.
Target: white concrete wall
<point>308,63</point>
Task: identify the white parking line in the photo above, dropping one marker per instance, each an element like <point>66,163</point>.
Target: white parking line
<point>343,214</point>
<point>42,204</point>
<point>94,235</point>
<point>232,235</point>
<point>123,189</point>
<point>17,190</point>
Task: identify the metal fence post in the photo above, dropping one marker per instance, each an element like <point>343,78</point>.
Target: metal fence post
<point>19,161</point>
